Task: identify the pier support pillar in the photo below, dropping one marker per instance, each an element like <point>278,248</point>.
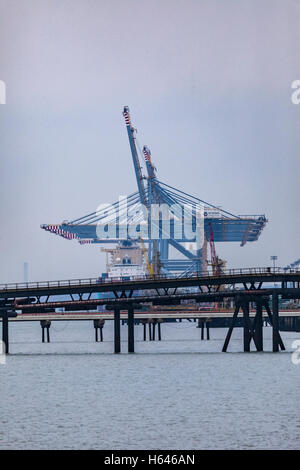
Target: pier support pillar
<point>254,329</point>
<point>130,329</point>
<point>247,326</point>
<point>117,332</point>
<point>5,337</point>
<point>259,326</point>
<point>233,321</point>
<point>144,329</point>
<point>153,330</point>
<point>98,325</point>
<point>45,325</point>
<point>203,324</point>
<point>207,330</point>
<point>150,329</point>
<point>277,341</point>
<point>159,322</point>
<point>275,336</point>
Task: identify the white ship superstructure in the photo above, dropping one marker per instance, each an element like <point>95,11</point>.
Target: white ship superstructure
<point>126,260</point>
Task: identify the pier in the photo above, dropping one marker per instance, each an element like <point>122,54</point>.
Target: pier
<point>251,292</point>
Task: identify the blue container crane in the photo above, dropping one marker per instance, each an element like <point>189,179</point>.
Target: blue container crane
<point>137,210</point>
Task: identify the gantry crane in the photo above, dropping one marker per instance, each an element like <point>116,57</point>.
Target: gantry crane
<point>225,226</point>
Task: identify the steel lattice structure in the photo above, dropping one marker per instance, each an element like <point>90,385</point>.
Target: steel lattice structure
<point>135,211</point>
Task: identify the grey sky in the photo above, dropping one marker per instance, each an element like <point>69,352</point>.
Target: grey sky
<point>209,88</point>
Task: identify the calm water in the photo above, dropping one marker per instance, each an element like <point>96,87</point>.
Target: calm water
<point>179,393</point>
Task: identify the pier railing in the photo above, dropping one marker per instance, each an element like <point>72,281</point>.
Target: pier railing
<point>88,282</point>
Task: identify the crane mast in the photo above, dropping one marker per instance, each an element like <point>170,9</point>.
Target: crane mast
<point>153,196</point>
<point>152,245</point>
<point>135,158</point>
<point>150,168</point>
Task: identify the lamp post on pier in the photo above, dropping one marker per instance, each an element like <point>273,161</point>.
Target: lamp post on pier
<point>274,258</point>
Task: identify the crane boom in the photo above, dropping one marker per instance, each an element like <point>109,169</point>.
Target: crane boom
<point>135,158</point>
<point>150,168</point>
